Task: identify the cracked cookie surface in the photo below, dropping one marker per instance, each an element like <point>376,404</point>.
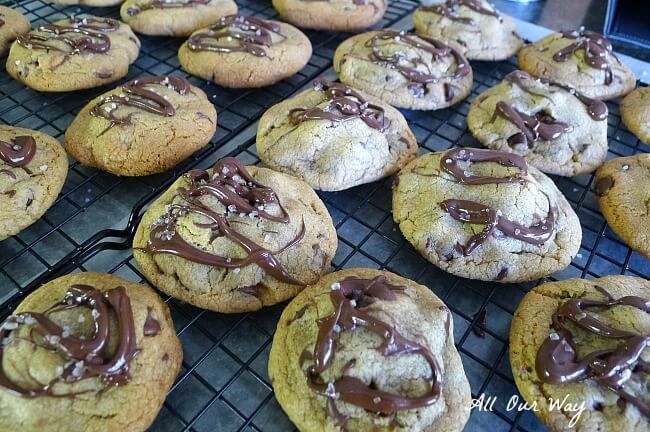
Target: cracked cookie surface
<point>146,126</point>
<point>34,357</point>
<point>532,327</point>
<point>332,15</point>
<point>250,237</point>
<point>12,24</point>
<point>555,129</point>
<point>481,32</point>
<point>581,59</point>
<point>404,70</point>
<point>172,17</point>
<point>242,51</point>
<point>485,215</point>
<point>73,54</point>
<point>392,345</point>
<point>30,179</point>
<point>334,137</point>
<point>622,186</point>
<point>635,113</point>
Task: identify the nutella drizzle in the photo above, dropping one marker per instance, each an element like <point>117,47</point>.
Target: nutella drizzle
<point>344,104</point>
<point>86,358</point>
<point>596,47</point>
<point>241,194</point>
<point>475,213</point>
<point>539,126</point>
<point>557,359</point>
<point>411,69</point>
<point>449,9</point>
<point>18,154</point>
<point>92,32</point>
<point>165,4</point>
<point>350,299</point>
<point>250,34</point>
<point>137,93</point>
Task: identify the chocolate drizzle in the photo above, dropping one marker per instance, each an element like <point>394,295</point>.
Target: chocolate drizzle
<point>596,47</point>
<point>476,213</point>
<point>414,70</point>
<point>139,94</point>
<point>449,9</point>
<point>165,4</point>
<point>241,194</point>
<point>86,358</point>
<point>539,126</point>
<point>18,154</point>
<point>597,109</point>
<point>237,33</point>
<point>90,36</point>
<point>344,104</point>
<point>557,359</point>
<point>151,324</point>
<point>350,299</point>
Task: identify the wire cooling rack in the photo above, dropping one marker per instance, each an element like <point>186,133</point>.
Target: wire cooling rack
<point>223,385</point>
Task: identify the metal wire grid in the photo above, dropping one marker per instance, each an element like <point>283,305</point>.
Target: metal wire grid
<point>95,205</point>
<point>224,385</point>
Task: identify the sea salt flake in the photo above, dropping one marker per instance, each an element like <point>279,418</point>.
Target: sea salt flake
<point>10,325</point>
<point>43,168</point>
<point>626,167</point>
<point>554,336</point>
<point>336,286</point>
<point>376,399</point>
<point>236,271</point>
<point>581,316</point>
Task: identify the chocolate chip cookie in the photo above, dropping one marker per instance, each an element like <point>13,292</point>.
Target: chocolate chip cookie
<point>556,128</point>
<point>332,15</point>
<point>12,24</point>
<point>404,70</point>
<point>482,32</point>
<point>635,113</point>
<point>174,17</point>
<point>579,350</point>
<point>33,168</point>
<point>87,352</point>
<point>73,54</point>
<point>622,186</point>
<point>487,215</point>
<point>243,51</point>
<point>582,59</point>
<point>335,137</point>
<point>235,238</point>
<point>145,126</point>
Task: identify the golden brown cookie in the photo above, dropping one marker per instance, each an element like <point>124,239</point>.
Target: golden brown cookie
<point>145,126</point>
<point>73,54</point>
<point>332,15</point>
<point>234,238</point>
<point>579,353</point>
<point>244,51</point>
<point>366,350</point>
<point>622,186</point>
<point>635,113</point>
<point>33,168</point>
<point>87,352</point>
<point>12,24</point>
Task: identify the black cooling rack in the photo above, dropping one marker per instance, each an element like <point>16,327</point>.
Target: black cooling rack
<point>223,385</point>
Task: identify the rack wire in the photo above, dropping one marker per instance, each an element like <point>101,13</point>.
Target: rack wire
<point>223,384</point>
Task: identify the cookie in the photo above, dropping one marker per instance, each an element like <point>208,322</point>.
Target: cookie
<point>234,238</point>
<point>487,215</point>
<point>579,350</point>
<point>556,128</point>
<point>334,137</point>
<point>635,113</point>
<point>33,168</point>
<point>367,350</point>
<point>172,17</point>
<point>244,51</point>
<point>73,54</point>
<point>145,126</point>
<point>582,59</point>
<point>482,32</point>
<point>404,70</point>
<point>87,352</point>
<point>12,24</point>
<point>622,188</point>
<point>332,15</point>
